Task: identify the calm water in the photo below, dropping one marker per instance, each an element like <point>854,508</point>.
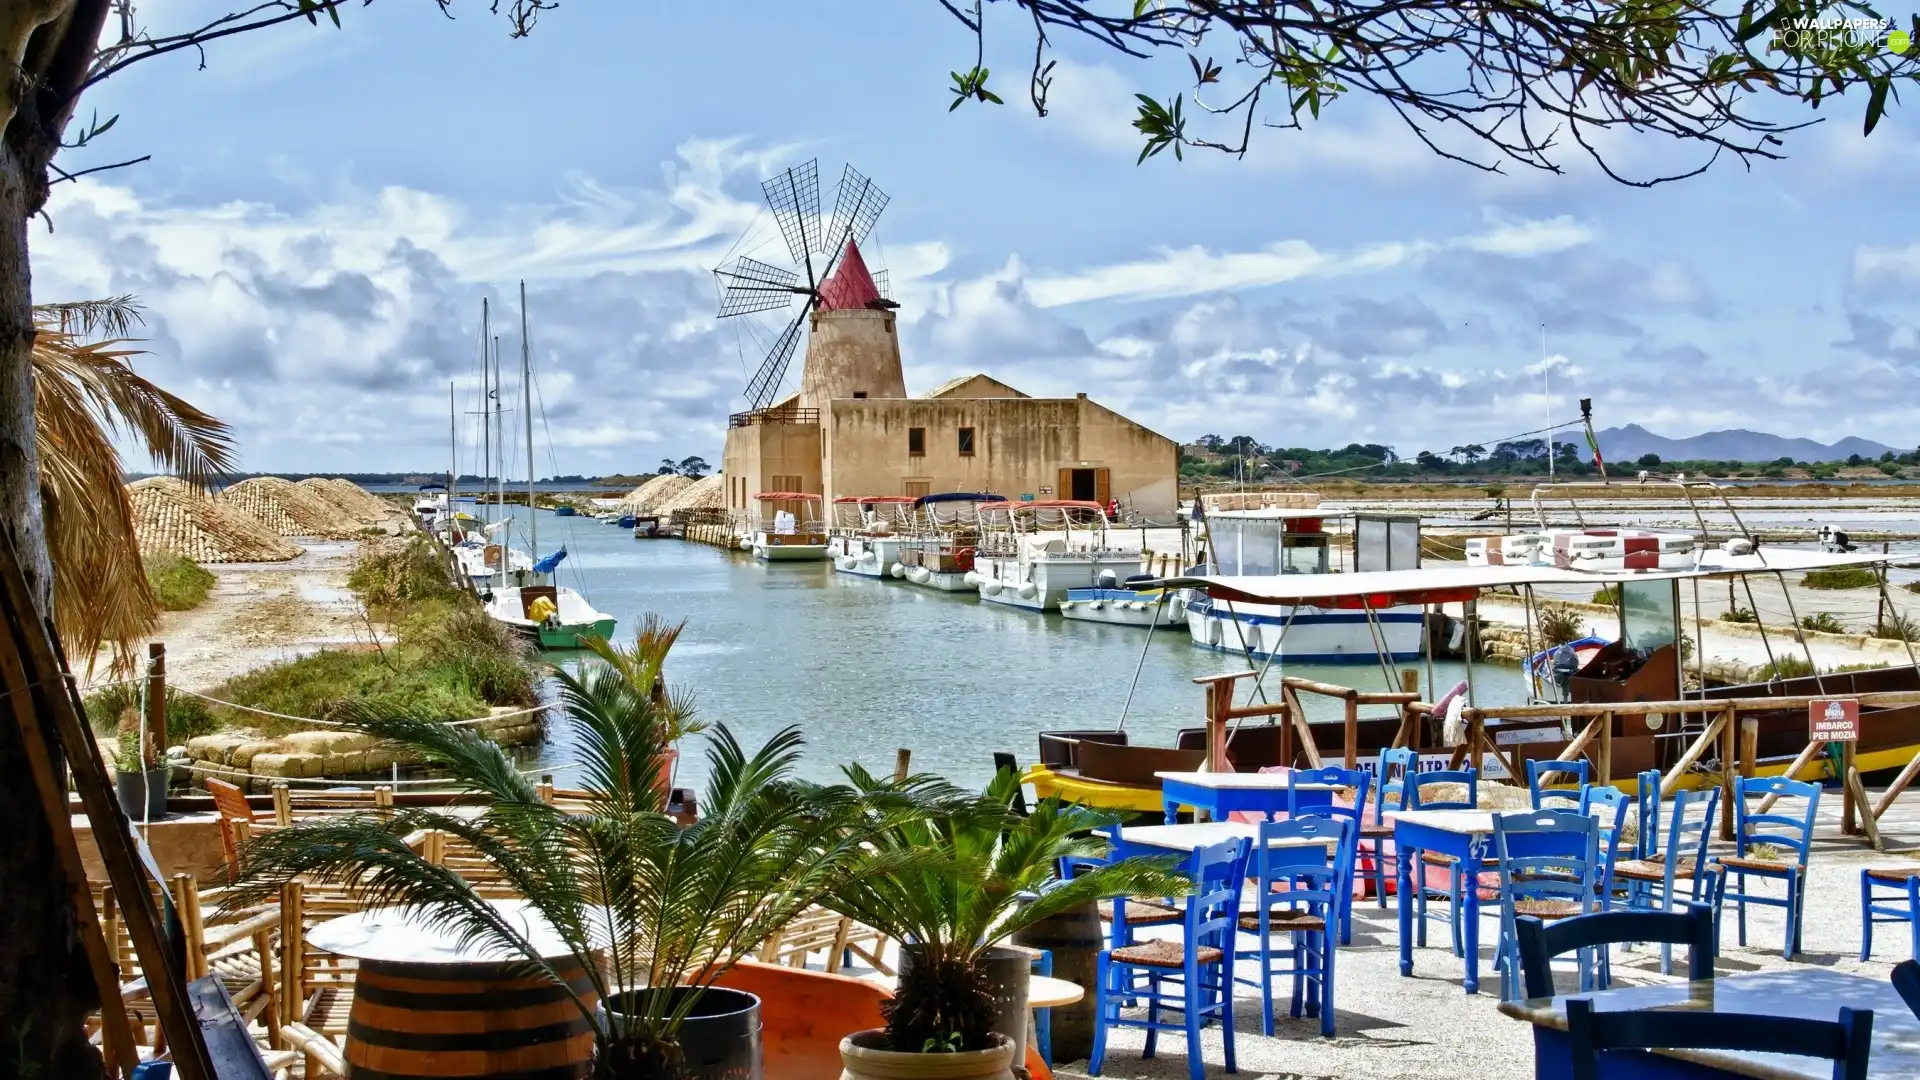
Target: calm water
<point>865,667</point>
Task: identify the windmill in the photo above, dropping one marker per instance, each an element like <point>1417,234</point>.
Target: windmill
<point>828,269</point>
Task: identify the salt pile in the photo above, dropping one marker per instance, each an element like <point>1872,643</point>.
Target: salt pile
<point>169,516</point>
<point>652,496</point>
<point>288,509</point>
<point>350,499</point>
<point>706,493</point>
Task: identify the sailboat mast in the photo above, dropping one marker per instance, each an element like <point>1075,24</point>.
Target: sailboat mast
<point>526,405</point>
<point>500,449</point>
<point>486,422</point>
<point>453,447</point>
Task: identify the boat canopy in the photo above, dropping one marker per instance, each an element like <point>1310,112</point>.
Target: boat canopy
<point>1455,584</point>
<point>781,496</point>
<point>1046,504</point>
<point>958,496</point>
<point>547,565</point>
<point>869,500</point>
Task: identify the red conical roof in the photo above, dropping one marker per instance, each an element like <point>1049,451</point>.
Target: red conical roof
<point>850,286</point>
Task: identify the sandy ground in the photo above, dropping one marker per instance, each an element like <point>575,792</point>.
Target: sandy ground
<point>264,613</point>
<point>1425,1027</point>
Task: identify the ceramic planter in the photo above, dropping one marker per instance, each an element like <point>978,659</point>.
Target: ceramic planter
<point>863,1058</point>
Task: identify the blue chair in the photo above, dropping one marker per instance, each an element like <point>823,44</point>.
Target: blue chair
<point>1123,913</point>
<point>1302,890</point>
<point>1549,863</point>
<point>1537,770</point>
<point>1389,793</point>
<point>1200,964</point>
<point>1647,799</point>
<point>1608,806</point>
<point>1590,1033</point>
<point>1416,783</point>
<point>1791,832</point>
<point>1043,1018</point>
<point>1359,781</point>
<point>1676,876</point>
<point>1900,903</point>
<point>1906,981</point>
<point>1540,942</point>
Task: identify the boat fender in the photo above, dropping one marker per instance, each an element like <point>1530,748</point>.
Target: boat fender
<point>1108,579</point>
<point>1069,605</point>
<point>971,578</point>
<point>1027,590</point>
<point>897,570</point>
<point>990,587</point>
<point>919,575</point>
<point>1177,607</point>
<point>1135,605</point>
<point>1098,605</point>
<point>868,556</point>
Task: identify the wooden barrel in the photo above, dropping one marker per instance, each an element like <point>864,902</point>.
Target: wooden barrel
<point>468,1021</point>
<point>1075,937</point>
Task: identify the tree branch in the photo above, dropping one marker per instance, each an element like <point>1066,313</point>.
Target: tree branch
<point>67,176</point>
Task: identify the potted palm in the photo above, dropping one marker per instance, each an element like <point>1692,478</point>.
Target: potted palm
<point>654,912</point>
<point>643,664</point>
<point>992,875</point>
<point>139,777</point>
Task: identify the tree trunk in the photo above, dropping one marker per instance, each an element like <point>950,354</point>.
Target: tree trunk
<point>45,988</point>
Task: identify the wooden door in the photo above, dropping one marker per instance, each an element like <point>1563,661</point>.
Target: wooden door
<point>1102,486</point>
<point>1065,490</point>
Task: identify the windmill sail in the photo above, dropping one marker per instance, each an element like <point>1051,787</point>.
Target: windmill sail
<point>838,280</point>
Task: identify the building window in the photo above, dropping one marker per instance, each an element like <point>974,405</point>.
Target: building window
<point>859,394</point>
<point>917,441</point>
<point>916,488</point>
<point>966,442</point>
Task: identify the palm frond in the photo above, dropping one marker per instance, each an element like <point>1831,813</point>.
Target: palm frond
<point>113,316</point>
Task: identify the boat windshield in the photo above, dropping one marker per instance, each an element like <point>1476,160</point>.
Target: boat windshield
<point>1649,614</point>
<point>1258,547</point>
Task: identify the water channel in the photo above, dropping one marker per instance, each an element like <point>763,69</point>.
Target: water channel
<point>866,667</point>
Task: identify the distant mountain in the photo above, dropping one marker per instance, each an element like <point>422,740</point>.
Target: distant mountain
<point>1624,444</point>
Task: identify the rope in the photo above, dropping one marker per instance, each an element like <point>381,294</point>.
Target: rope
<point>336,723</point>
<point>211,770</point>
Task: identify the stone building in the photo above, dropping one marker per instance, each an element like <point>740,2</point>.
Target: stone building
<point>852,429</point>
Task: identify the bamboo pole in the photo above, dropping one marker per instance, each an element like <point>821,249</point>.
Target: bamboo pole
<point>1849,808</point>
<point>1793,773</point>
<point>1729,747</point>
<point>1749,746</point>
<point>1587,734</point>
<point>1694,752</point>
<point>1604,767</point>
<point>1857,795</point>
<point>1353,733</point>
<point>156,701</point>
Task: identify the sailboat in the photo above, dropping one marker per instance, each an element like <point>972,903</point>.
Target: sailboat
<point>488,563</point>
<point>554,616</point>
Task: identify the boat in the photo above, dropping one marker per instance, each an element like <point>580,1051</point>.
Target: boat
<point>868,534</point>
<point>651,527</point>
<point>1604,691</point>
<point>571,618</point>
<point>1255,534</point>
<point>946,535</point>
<point>553,616</point>
<point>430,501</point>
<point>1032,552</point>
<point>785,536</point>
<point>564,510</point>
<point>1124,607</point>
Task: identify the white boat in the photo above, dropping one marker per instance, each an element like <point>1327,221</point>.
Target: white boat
<point>1032,553</point>
<point>430,501</point>
<point>488,564</point>
<point>1249,535</point>
<point>1125,607</point>
<point>569,619</point>
<point>946,529</point>
<point>785,536</point>
<point>869,533</point>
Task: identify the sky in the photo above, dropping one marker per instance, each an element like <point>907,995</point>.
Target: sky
<point>325,209</point>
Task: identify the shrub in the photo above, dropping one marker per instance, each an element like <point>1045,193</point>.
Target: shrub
<point>1559,625</point>
<point>1844,577</point>
<point>1739,615</point>
<point>1606,594</point>
<point>1898,627</point>
<point>187,716</point>
<point>390,577</point>
<point>1785,666</point>
<point>1822,621</point>
<point>178,584</point>
<point>1912,586</point>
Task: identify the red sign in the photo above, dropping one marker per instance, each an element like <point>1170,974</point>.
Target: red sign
<point>1833,720</point>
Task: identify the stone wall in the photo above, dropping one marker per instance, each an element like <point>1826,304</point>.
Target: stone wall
<point>255,762</point>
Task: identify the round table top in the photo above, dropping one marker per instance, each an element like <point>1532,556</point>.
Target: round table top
<point>392,935</point>
<point>1043,992</point>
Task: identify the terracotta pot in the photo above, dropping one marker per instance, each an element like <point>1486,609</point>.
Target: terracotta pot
<point>863,1059</point>
<point>664,785</point>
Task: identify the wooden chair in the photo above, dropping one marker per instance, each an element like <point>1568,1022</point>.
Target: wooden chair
<point>818,929</point>
<point>1539,942</point>
<point>238,819</point>
<point>317,986</point>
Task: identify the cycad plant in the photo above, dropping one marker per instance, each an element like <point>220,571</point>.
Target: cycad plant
<point>993,874</point>
<point>643,664</point>
<point>644,904</point>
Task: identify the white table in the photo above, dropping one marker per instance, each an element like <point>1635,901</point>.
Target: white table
<point>1463,835</point>
<point>394,936</point>
<point>1192,837</point>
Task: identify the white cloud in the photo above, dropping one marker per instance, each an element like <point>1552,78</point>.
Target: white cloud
<point>1193,271</point>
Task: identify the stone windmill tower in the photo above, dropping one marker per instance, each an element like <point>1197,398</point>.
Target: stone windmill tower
<point>845,314</point>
